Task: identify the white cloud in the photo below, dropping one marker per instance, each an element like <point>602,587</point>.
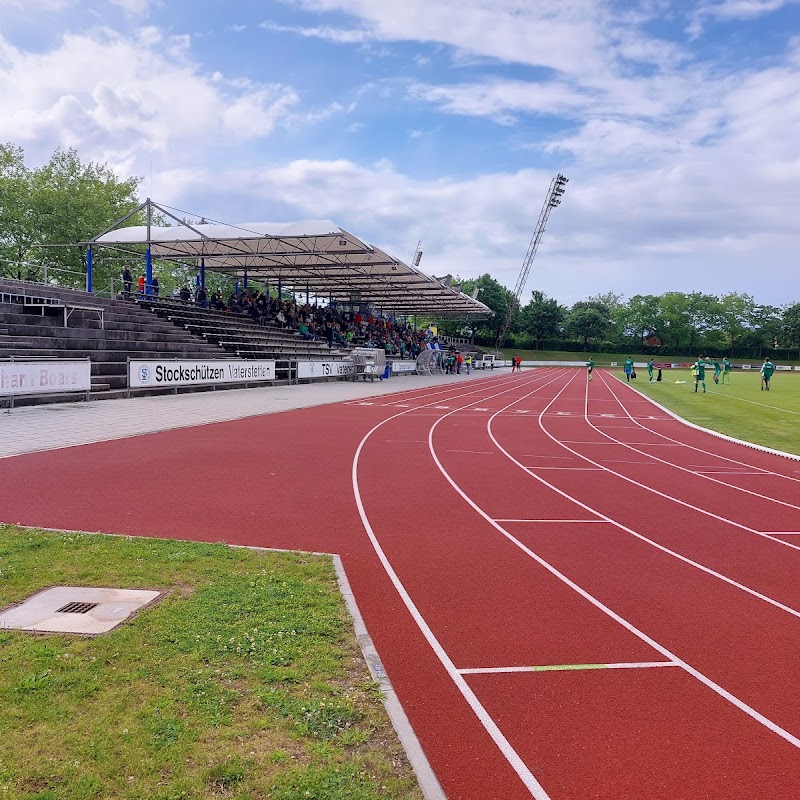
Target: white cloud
<point>139,8</point>
<point>733,10</point>
<point>337,35</point>
<point>113,96</point>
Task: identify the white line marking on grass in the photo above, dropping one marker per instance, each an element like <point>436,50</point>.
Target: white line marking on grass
<point>567,667</point>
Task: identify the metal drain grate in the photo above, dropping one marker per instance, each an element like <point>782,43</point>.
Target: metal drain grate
<point>76,608</point>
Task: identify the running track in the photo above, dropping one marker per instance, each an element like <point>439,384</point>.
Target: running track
<point>574,595</point>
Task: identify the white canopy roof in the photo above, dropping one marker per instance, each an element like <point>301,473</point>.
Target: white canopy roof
<point>317,256</point>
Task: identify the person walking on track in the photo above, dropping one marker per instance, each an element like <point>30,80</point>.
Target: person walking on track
<point>590,365</point>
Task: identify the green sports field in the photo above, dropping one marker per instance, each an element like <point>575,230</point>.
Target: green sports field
<point>740,409</point>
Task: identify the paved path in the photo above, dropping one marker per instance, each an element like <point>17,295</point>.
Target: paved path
<point>47,427</point>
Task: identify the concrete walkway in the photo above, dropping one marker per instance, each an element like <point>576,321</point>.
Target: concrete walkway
<point>47,427</point>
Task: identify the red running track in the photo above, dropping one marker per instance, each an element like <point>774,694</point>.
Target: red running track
<point>513,522</point>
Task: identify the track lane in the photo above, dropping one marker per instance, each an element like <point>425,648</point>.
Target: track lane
<point>754,768</point>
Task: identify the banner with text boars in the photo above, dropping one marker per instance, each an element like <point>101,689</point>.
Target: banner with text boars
<point>44,377</point>
<point>157,373</point>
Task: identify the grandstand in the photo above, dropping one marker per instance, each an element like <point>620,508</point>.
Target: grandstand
<point>118,336</point>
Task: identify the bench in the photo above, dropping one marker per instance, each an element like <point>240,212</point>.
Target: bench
<point>67,308</point>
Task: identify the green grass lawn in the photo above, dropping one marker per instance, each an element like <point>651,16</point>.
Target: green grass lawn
<point>244,681</point>
<point>740,409</point>
<point>604,359</point>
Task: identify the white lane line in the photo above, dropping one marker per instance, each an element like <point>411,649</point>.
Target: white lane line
<point>715,687</point>
<point>475,452</point>
<point>567,667</point>
<point>569,469</point>
<point>618,461</point>
<point>581,521</point>
<point>640,536</point>
<point>716,434</point>
<point>781,533</point>
<point>536,455</point>
<point>491,727</point>
<point>693,507</point>
<point>703,473</point>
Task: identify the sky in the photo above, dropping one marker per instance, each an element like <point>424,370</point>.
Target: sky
<point>444,121</point>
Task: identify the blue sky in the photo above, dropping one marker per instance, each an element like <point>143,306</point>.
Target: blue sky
<point>444,120</point>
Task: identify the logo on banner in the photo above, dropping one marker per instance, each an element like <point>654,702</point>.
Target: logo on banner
<point>144,373</point>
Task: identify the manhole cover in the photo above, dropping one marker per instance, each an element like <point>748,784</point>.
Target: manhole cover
<point>76,609</point>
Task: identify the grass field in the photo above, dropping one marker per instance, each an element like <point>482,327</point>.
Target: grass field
<point>244,681</point>
<point>740,409</point>
<point>604,359</point>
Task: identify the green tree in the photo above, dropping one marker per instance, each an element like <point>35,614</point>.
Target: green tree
<point>61,203</point>
<point>641,318</point>
<point>497,298</point>
<point>790,328</point>
<point>589,320</point>
<point>542,318</point>
<point>17,229</point>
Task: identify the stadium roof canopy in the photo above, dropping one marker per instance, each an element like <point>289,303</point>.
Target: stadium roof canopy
<point>315,256</point>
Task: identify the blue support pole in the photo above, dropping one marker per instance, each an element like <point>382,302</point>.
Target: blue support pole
<point>89,269</point>
<point>203,272</point>
<point>148,275</point>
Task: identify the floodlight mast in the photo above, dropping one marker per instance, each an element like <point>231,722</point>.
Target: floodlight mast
<point>557,188</point>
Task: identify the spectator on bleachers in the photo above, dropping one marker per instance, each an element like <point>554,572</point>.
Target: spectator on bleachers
<point>140,287</point>
<point>216,301</point>
<point>154,287</point>
<point>305,332</point>
<point>127,281</point>
<point>185,294</point>
<point>201,298</point>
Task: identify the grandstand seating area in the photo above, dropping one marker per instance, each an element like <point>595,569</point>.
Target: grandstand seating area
<point>238,334</point>
<point>108,332</point>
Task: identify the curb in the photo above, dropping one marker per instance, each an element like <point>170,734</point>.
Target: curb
<point>751,445</point>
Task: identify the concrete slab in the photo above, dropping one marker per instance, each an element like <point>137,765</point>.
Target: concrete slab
<point>102,609</point>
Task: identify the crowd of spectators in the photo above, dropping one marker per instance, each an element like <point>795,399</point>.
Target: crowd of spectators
<point>341,329</point>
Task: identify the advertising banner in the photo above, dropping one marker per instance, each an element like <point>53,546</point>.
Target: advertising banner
<point>44,377</point>
<point>324,369</point>
<point>404,367</point>
<point>158,373</point>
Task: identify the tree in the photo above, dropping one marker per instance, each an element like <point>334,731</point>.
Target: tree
<point>17,231</point>
<point>543,317</point>
<point>588,320</point>
<point>790,328</point>
<point>61,203</point>
<point>494,295</point>
<point>641,318</point>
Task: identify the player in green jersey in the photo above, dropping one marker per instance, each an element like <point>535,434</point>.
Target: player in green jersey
<point>700,373</point>
<point>726,370</point>
<point>650,370</point>
<point>717,370</point>
<point>767,369</point>
<point>590,365</point>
